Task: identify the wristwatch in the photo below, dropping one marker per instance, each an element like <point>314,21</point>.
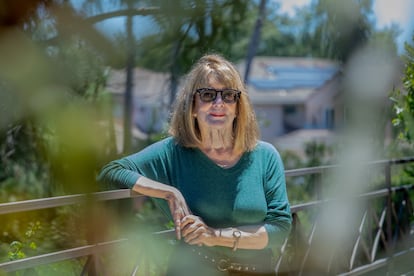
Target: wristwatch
<point>236,236</point>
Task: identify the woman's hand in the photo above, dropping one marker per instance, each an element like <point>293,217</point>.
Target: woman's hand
<point>176,202</point>
<point>196,232</point>
<point>179,210</point>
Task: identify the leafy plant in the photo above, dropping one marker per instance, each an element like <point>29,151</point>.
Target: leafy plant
<point>403,99</point>
<point>18,248</point>
<point>403,106</point>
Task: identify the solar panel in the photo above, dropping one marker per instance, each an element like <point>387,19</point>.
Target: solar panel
<point>289,77</point>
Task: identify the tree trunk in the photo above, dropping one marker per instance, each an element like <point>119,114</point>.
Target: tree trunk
<point>254,41</point>
<point>128,103</point>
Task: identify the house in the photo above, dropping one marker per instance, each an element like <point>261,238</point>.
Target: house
<point>151,98</point>
<point>291,94</point>
<point>288,95</point>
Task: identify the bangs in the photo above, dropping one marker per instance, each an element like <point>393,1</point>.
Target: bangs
<point>224,79</point>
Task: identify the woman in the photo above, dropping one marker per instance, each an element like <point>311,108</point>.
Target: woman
<point>225,189</point>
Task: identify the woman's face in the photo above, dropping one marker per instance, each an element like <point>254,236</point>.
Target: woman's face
<point>216,114</point>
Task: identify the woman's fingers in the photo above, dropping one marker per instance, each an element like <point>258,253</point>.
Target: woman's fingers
<point>178,215</point>
<point>195,237</point>
<point>188,220</point>
<point>193,229</point>
<point>179,209</point>
<point>178,229</point>
<point>190,224</point>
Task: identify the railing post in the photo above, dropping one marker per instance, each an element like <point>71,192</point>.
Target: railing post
<point>389,206</point>
<point>318,182</point>
<point>296,244</point>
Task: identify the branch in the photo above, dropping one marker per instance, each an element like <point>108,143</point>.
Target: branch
<point>128,12</point>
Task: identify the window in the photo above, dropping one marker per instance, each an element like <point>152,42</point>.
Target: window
<point>289,109</point>
<point>329,118</point>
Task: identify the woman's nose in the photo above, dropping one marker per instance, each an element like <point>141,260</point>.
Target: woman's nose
<point>218,99</point>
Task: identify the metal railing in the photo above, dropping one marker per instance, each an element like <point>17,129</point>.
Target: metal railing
<point>376,237</point>
<point>374,244</point>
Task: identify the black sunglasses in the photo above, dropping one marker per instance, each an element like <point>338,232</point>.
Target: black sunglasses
<point>228,95</point>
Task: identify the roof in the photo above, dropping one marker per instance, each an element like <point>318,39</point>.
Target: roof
<point>287,80</point>
<point>148,87</point>
<point>273,80</point>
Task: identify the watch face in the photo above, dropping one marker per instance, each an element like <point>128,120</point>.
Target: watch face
<point>237,234</point>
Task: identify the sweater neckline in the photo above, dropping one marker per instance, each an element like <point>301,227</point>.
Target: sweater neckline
<point>211,163</point>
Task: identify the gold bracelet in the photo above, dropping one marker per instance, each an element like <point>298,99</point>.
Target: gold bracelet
<point>236,235</point>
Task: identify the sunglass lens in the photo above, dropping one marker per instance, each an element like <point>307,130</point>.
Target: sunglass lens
<point>208,95</point>
<point>229,96</point>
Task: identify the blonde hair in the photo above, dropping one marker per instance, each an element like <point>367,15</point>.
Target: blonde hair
<point>184,127</point>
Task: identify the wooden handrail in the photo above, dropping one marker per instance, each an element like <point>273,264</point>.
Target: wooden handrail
<point>58,201</point>
<point>59,256</point>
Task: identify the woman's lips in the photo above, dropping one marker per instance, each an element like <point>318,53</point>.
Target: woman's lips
<point>217,114</point>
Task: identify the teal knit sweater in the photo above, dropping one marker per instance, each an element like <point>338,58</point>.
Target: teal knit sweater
<point>251,192</point>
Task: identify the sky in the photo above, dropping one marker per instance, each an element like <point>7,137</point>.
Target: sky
<point>386,12</point>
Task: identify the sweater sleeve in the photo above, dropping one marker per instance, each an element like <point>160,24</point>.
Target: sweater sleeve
<point>120,173</point>
<point>152,162</point>
<point>278,219</point>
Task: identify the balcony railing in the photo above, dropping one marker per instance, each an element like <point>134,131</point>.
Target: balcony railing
<point>384,219</point>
